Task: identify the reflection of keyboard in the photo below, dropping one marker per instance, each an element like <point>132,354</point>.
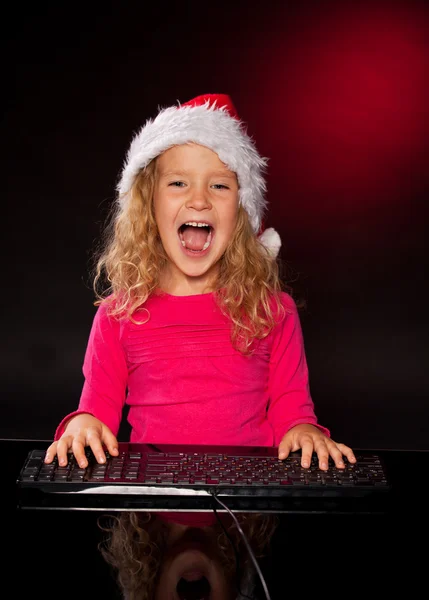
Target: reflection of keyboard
<point>156,477</point>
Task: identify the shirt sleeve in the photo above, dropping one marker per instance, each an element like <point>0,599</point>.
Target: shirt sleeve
<point>105,374</point>
<point>290,401</point>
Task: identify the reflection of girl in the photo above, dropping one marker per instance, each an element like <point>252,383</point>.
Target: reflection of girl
<point>158,560</point>
<point>194,332</point>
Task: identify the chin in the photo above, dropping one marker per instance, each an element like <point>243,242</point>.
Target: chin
<point>199,270</point>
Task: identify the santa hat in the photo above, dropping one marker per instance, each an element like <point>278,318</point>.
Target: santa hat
<point>210,120</point>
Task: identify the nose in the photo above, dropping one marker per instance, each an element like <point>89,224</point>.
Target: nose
<point>198,200</point>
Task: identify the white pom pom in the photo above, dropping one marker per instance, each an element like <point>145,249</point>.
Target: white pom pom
<point>271,240</point>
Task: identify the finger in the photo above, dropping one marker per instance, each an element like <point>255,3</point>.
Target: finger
<point>307,448</point>
<point>94,441</point>
<point>51,452</point>
<point>284,449</point>
<point>110,441</point>
<point>337,455</point>
<point>78,448</point>
<point>322,452</point>
<point>63,447</point>
<point>347,452</point>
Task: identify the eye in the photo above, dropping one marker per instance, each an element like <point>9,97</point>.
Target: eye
<point>176,184</point>
<point>220,186</point>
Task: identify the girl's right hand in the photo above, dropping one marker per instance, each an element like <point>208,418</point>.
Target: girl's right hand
<point>81,431</point>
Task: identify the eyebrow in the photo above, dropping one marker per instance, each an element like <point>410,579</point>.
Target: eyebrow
<point>180,173</point>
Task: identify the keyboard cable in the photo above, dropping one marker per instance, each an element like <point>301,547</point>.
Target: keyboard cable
<point>249,549</point>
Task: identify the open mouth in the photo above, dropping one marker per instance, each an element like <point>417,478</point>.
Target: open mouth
<point>198,589</point>
<point>196,236</point>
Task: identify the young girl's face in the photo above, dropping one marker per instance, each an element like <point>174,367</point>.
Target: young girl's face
<point>193,559</point>
<point>196,205</point>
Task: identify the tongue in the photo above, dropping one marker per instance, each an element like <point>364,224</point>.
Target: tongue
<point>193,575</point>
<point>195,237</point>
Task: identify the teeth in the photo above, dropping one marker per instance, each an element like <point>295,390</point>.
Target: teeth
<point>195,224</point>
<point>209,239</point>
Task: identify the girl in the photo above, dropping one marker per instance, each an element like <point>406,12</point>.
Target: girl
<point>154,560</point>
<point>193,331</point>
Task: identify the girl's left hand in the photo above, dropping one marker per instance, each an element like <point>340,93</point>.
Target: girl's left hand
<point>310,439</point>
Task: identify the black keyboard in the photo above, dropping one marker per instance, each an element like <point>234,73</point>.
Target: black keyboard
<point>148,477</point>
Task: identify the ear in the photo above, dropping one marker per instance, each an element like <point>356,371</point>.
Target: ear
<point>271,240</point>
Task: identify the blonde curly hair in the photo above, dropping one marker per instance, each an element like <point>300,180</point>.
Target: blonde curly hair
<point>135,543</point>
<point>131,259</point>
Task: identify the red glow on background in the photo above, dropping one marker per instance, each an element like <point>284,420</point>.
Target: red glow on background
<point>348,95</point>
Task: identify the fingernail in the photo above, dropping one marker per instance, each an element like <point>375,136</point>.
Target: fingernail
<point>101,459</point>
<point>324,465</point>
<point>82,464</point>
<point>305,464</point>
<point>62,461</point>
<point>47,457</point>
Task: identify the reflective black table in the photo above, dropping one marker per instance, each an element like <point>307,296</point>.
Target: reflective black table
<point>371,552</point>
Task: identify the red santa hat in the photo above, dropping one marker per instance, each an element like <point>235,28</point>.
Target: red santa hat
<point>210,120</point>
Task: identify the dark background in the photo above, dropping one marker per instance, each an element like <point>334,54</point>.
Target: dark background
<point>335,94</point>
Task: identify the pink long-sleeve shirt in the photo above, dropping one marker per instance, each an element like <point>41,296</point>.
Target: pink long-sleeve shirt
<point>185,383</point>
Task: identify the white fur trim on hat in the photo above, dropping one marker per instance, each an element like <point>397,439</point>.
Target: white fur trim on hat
<point>271,240</point>
<point>208,125</point>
